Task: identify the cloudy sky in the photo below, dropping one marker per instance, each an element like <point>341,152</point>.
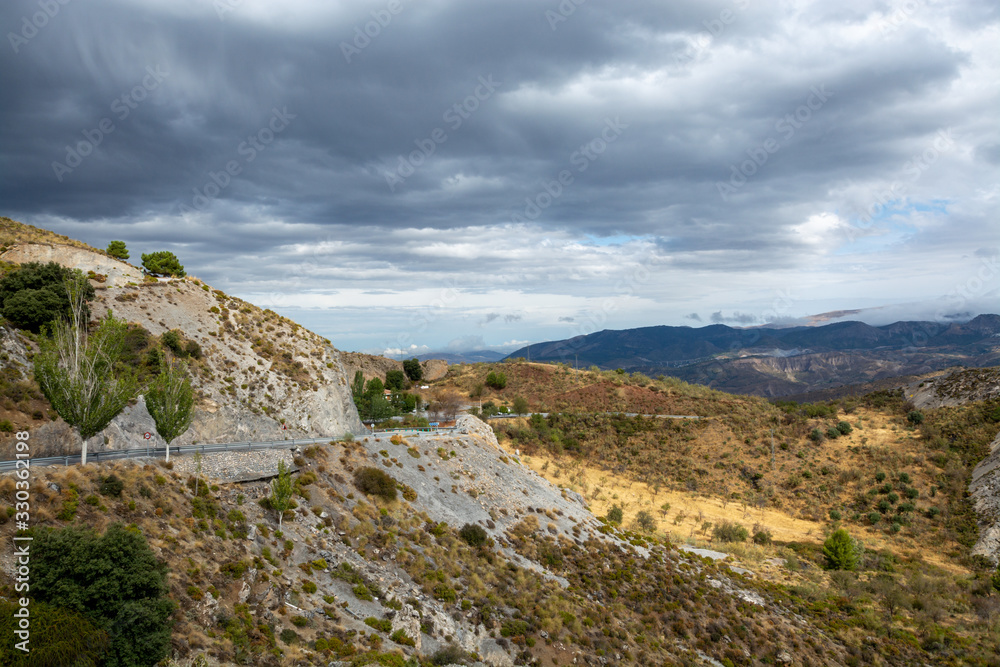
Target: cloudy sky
<point>407,175</point>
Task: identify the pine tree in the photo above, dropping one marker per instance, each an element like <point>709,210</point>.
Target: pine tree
<point>841,551</point>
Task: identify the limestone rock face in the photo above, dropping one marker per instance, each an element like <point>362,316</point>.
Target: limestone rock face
<point>117,272</point>
<point>985,493</point>
<point>259,376</point>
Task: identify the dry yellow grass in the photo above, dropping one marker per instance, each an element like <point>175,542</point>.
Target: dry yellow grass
<point>688,512</point>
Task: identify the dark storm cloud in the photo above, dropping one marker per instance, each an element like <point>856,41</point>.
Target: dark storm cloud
<point>278,150</point>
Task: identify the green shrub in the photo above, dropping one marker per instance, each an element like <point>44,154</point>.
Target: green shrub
<point>454,655</point>
<point>474,535</point>
<point>6,426</point>
<point>646,521</point>
<point>615,514</point>
<point>816,435</point>
<point>879,476</point>
<point>514,628</point>
<point>445,593</point>
<point>762,537</point>
<point>400,637</point>
<point>874,517</point>
<point>844,428</point>
<point>728,531</point>
<point>841,551</point>
<point>288,635</point>
<point>114,580</point>
<point>496,380</point>
<point>308,587</point>
<point>835,515</point>
<point>915,417</point>
<point>111,486</point>
<point>383,624</point>
<point>35,294</point>
<point>832,432</point>
<point>376,483</point>
<point>300,621</point>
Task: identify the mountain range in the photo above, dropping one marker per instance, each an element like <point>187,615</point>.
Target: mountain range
<point>781,361</point>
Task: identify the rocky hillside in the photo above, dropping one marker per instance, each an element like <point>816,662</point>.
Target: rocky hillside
<point>357,579</point>
<point>372,366</point>
<point>256,370</point>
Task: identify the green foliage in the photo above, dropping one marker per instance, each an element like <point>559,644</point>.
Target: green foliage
<point>81,375</point>
<point>816,435</point>
<point>400,637</point>
<point>288,635</point>
<point>844,428</point>
<point>58,637</point>
<point>915,417</point>
<point>114,581</point>
<point>646,521</point>
<point>111,486</point>
<point>833,433</point>
<point>395,379</point>
<point>615,514</point>
<point>445,593</point>
<point>383,624</point>
<point>281,491</point>
<point>369,399</point>
<point>841,551</point>
<point>37,294</point>
<point>172,339</point>
<point>449,655</point>
<point>762,537</point>
<point>520,405</point>
<point>413,369</point>
<point>496,380</point>
<point>117,250</point>
<point>376,483</point>
<point>162,263</point>
<point>473,534</point>
<point>169,400</point>
<point>728,531</point>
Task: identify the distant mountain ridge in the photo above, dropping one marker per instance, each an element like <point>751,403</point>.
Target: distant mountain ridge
<point>777,362</point>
